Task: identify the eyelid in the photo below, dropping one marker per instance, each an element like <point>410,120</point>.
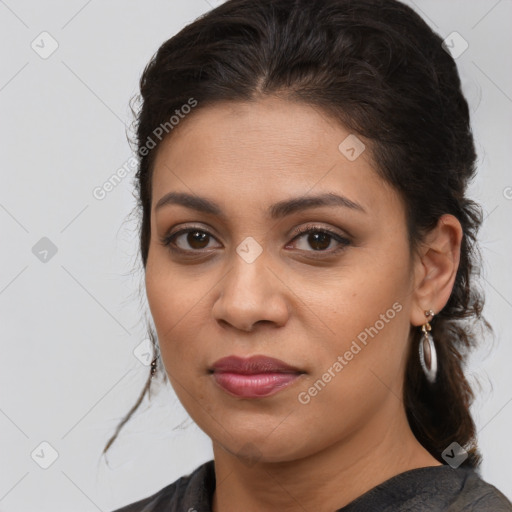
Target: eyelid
<point>316,227</point>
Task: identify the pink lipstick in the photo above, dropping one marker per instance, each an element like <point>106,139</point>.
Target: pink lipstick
<point>253,377</point>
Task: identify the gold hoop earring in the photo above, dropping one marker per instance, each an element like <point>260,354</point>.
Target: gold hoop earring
<point>427,350</point>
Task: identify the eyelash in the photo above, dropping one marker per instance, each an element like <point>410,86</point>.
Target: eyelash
<point>168,240</point>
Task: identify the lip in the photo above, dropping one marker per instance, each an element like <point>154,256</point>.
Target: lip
<point>253,377</point>
<point>253,365</point>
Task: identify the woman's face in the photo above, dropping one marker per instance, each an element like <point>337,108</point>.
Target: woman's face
<point>245,282</point>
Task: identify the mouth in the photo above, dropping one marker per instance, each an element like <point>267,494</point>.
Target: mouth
<point>253,377</point>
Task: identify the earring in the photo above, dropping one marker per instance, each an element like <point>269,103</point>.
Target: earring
<point>427,350</point>
<point>153,367</point>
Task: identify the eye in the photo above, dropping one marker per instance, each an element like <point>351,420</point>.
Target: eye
<point>320,239</point>
<point>196,240</point>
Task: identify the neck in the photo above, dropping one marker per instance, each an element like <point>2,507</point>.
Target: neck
<point>324,481</point>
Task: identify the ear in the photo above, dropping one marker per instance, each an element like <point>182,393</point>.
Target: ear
<point>435,268</point>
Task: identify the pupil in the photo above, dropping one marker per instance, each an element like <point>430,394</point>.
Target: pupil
<point>195,239</point>
<point>319,237</point>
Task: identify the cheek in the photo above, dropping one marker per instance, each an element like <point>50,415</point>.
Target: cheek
<point>177,303</point>
<point>172,294</point>
<point>366,310</point>
<point>168,303</point>
<point>363,291</point>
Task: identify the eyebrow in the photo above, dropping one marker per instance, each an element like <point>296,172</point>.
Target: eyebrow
<point>276,211</point>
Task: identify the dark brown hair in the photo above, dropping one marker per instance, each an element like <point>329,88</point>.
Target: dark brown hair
<point>376,67</point>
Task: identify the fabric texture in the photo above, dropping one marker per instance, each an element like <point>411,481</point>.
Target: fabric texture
<point>431,489</point>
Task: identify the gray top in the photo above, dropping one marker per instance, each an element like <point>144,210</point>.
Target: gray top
<point>436,488</point>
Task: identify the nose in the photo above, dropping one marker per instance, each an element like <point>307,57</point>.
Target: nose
<point>251,293</point>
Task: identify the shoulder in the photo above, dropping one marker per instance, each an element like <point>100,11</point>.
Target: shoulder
<point>477,495</point>
<point>433,488</point>
<point>190,493</point>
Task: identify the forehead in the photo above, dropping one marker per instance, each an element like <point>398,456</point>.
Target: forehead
<point>269,126</point>
<point>263,150</point>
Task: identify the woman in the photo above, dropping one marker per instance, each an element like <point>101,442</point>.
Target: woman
<point>310,257</point>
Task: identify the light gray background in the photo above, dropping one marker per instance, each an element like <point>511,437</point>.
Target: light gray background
<point>69,325</point>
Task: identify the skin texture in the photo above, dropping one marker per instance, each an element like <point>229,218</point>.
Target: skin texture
<point>276,453</point>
